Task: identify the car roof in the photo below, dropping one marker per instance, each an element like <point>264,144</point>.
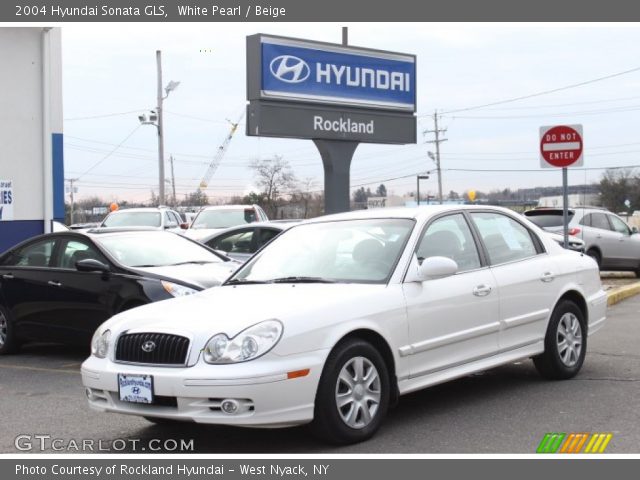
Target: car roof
<point>418,212</point>
<point>282,226</point>
<point>141,209</point>
<point>226,207</point>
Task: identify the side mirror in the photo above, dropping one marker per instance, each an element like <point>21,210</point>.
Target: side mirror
<point>92,265</point>
<point>431,269</point>
<point>184,226</point>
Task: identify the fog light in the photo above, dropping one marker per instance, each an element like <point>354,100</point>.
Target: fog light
<point>230,407</point>
<point>88,393</point>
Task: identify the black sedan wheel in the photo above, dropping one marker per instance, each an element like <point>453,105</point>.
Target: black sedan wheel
<point>8,343</point>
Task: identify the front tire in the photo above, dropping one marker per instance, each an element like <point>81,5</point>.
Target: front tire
<point>8,342</point>
<point>353,394</point>
<point>565,343</point>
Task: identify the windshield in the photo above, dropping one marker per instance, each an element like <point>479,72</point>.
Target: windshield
<point>132,219</point>
<point>359,251</point>
<point>155,249</point>
<point>224,218</point>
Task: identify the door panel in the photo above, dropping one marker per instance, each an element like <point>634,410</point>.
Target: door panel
<point>452,320</point>
<point>628,246</point>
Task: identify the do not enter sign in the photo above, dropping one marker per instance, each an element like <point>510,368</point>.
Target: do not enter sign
<point>561,146</point>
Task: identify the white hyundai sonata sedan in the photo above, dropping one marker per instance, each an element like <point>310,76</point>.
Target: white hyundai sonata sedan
<point>337,317</point>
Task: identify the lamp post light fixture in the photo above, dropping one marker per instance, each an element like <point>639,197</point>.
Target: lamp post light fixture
<point>154,117</point>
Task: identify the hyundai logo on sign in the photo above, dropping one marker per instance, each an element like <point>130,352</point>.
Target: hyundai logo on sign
<point>289,69</point>
<point>334,74</point>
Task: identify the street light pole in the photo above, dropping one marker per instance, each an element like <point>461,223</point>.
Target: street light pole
<point>160,131</point>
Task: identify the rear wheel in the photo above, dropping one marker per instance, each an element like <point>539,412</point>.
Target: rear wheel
<point>593,253</point>
<point>565,343</point>
<point>8,342</point>
<point>353,394</point>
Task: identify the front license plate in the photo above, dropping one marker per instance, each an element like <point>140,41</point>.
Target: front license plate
<point>135,388</point>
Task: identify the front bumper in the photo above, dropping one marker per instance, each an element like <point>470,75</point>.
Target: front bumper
<point>265,394</point>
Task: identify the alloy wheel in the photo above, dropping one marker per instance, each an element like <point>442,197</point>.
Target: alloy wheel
<point>569,339</point>
<point>358,392</point>
<point>3,330</point>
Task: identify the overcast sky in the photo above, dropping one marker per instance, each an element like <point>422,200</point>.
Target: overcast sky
<point>110,73</point>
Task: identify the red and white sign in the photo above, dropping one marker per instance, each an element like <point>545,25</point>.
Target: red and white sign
<point>561,146</point>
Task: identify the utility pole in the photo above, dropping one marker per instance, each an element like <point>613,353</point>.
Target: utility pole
<point>173,182</point>
<point>71,194</point>
<point>437,140</point>
<point>160,131</point>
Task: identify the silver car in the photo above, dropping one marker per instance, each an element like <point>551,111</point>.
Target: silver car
<point>241,242</point>
<point>608,239</point>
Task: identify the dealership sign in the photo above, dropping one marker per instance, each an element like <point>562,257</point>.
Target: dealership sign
<point>300,70</point>
<point>290,120</point>
<point>6,200</point>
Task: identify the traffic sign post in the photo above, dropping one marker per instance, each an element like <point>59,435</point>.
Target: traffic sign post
<point>561,146</point>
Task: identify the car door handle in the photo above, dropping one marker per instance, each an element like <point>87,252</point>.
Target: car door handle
<point>547,277</point>
<point>482,290</point>
<point>598,236</point>
<point>53,283</point>
<point>8,276</point>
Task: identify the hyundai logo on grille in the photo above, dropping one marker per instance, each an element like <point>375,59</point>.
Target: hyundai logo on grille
<point>289,69</point>
<point>148,346</point>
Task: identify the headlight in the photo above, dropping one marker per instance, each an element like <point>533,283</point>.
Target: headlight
<point>100,343</point>
<point>248,345</point>
<point>177,290</point>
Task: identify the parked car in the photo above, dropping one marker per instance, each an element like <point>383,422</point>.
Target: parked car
<point>576,244</point>
<point>213,219</point>
<point>241,242</point>
<point>608,239</point>
<point>60,287</point>
<point>83,226</point>
<point>338,316</point>
<point>159,218</point>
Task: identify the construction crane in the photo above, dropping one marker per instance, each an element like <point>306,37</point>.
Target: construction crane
<point>222,149</point>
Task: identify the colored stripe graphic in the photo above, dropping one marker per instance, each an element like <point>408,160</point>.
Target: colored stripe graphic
<point>574,443</point>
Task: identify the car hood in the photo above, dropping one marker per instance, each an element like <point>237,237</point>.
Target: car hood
<point>204,275</point>
<point>231,309</point>
<point>200,233</point>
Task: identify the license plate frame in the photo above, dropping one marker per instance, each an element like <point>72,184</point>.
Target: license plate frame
<point>135,388</point>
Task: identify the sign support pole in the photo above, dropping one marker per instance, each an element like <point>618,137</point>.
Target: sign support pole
<point>565,207</point>
<point>336,159</point>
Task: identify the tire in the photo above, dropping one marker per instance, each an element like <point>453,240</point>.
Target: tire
<point>637,272</point>
<point>567,326</point>
<point>8,342</point>
<point>593,253</point>
<point>354,371</point>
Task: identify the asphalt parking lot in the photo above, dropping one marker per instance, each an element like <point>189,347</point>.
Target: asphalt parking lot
<point>505,410</point>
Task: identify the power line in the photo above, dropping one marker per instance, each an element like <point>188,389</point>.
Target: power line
<point>110,153</point>
<point>543,92</point>
<point>104,115</point>
<point>631,108</point>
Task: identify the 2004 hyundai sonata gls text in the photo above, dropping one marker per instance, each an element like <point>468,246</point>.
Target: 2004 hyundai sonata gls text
<point>337,317</point>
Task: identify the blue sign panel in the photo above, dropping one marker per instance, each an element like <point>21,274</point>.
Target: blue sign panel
<point>340,75</point>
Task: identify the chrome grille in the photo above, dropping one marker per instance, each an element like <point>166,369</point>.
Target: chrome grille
<point>167,349</point>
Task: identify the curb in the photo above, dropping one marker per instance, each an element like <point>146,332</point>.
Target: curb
<point>616,295</point>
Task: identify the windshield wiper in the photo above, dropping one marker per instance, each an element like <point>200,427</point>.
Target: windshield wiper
<point>242,281</point>
<point>299,279</point>
<point>196,262</point>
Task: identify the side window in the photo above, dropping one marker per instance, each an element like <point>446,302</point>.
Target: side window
<point>586,220</point>
<point>267,234</point>
<point>599,220</point>
<point>178,218</point>
<point>619,226</point>
<point>505,239</point>
<point>168,219</point>
<point>75,251</point>
<point>450,237</point>
<point>34,255</point>
<point>236,242</point>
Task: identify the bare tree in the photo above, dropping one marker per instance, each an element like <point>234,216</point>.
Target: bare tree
<point>274,177</point>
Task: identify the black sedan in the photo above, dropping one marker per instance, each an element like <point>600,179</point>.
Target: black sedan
<point>60,287</point>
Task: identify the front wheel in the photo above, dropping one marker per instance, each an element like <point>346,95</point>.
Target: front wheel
<point>8,342</point>
<point>565,343</point>
<point>353,394</point>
